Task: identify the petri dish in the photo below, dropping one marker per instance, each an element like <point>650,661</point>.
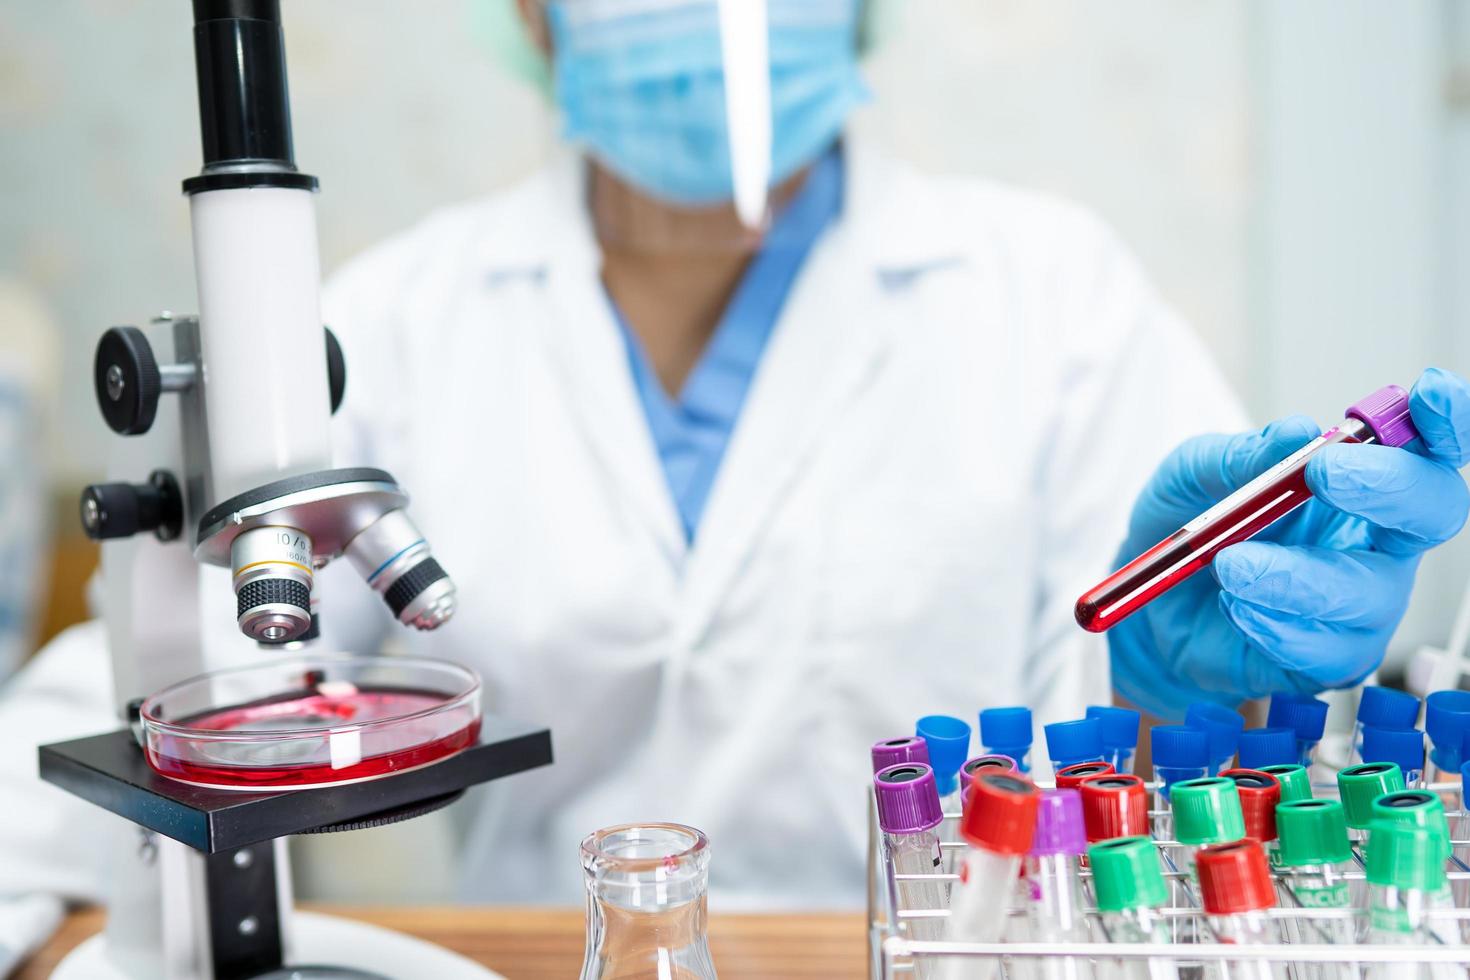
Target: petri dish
<point>311,721</point>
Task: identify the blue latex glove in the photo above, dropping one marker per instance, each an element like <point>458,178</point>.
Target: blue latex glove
<point>1311,602</point>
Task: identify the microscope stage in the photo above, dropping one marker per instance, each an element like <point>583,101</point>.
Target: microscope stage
<point>110,771</point>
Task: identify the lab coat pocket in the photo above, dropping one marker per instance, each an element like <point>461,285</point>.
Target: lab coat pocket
<point>917,589</point>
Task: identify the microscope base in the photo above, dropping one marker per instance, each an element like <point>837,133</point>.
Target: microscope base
<point>316,939</point>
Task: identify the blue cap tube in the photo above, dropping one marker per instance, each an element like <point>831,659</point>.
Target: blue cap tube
<point>1384,707</point>
<point>1119,734</point>
<point>1403,747</point>
<point>1007,731</point>
<point>1267,747</point>
<point>949,746</point>
<point>1307,716</point>
<point>1222,725</point>
<point>1179,753</point>
<point>1446,720</point>
<point>1070,742</point>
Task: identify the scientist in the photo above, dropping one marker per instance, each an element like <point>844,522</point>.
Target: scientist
<point>724,508</point>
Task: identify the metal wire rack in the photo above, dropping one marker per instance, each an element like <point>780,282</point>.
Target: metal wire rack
<point>1193,953</point>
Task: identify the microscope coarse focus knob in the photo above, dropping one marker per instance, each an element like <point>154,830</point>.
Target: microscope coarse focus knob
<point>128,383</point>
<point>120,510</point>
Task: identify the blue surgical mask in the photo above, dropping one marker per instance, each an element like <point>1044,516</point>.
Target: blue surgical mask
<point>640,84</point>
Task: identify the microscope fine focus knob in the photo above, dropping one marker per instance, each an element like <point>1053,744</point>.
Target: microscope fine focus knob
<point>128,383</point>
<point>120,510</point>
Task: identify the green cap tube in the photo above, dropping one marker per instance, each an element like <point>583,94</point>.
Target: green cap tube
<point>1207,811</point>
<point>1417,808</point>
<point>1360,785</point>
<point>1126,874</point>
<point>1294,782</point>
<point>1402,855</point>
<point>1312,832</point>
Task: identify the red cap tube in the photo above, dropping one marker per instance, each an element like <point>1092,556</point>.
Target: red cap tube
<point>1260,792</point>
<point>1114,805</point>
<point>1234,878</point>
<point>1001,816</point>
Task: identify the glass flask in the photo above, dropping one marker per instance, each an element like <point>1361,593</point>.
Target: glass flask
<point>646,914</point>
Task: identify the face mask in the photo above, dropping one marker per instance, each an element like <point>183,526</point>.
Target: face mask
<point>641,84</point>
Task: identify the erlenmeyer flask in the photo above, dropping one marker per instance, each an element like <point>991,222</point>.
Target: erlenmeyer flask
<point>646,914</point>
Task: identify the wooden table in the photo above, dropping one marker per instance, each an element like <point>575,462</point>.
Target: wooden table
<point>533,943</point>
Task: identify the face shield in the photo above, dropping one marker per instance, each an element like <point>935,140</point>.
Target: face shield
<point>708,107</point>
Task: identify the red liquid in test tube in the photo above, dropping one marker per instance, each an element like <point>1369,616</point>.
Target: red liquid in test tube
<point>1382,417</point>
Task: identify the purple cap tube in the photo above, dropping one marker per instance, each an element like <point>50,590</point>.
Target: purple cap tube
<point>1059,825</point>
<point>1386,413</point>
<point>892,751</point>
<point>983,764</point>
<point>908,801</point>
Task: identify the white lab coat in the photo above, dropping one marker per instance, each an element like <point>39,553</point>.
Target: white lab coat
<point>968,386</point>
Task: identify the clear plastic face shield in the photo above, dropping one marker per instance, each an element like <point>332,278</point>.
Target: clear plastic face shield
<point>698,117</point>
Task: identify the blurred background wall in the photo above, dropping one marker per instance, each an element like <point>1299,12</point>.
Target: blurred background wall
<point>1296,176</point>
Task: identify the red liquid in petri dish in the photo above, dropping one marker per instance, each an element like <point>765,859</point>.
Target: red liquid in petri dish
<point>306,758</point>
<point>1240,516</point>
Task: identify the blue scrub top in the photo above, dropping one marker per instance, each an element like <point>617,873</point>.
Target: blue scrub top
<point>692,431</point>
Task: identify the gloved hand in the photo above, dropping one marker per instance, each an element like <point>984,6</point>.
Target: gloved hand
<point>1311,602</point>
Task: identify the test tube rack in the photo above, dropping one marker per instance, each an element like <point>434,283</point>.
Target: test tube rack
<point>893,954</point>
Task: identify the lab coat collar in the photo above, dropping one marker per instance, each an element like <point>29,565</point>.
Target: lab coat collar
<point>888,236</point>
<point>827,347</point>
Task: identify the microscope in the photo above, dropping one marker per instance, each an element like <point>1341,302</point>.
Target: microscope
<point>231,409</point>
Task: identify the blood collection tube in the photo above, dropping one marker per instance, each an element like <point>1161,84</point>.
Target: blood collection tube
<point>1382,417</point>
<point>1223,726</point>
<point>1070,777</point>
<point>1007,731</point>
<point>1417,807</point>
<point>1114,806</point>
<point>1262,747</point>
<point>948,740</point>
<point>1315,866</point>
<point>1306,716</point>
<point>1052,883</point>
<point>1119,734</point>
<point>1206,811</point>
<point>909,816</point>
<point>1462,833</point>
<point>1295,785</point>
<point>1358,786</point>
<point>1179,753</point>
<point>1131,893</point>
<point>1446,721</point>
<point>1071,742</point>
<point>948,743</point>
<point>892,751</point>
<point>1383,707</point>
<point>1405,748</point>
<point>1260,793</point>
<point>1235,892</point>
<point>1407,882</point>
<point>980,765</point>
<point>999,825</point>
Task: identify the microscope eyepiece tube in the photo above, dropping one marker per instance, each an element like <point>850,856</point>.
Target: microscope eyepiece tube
<point>394,558</point>
<point>273,576</point>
